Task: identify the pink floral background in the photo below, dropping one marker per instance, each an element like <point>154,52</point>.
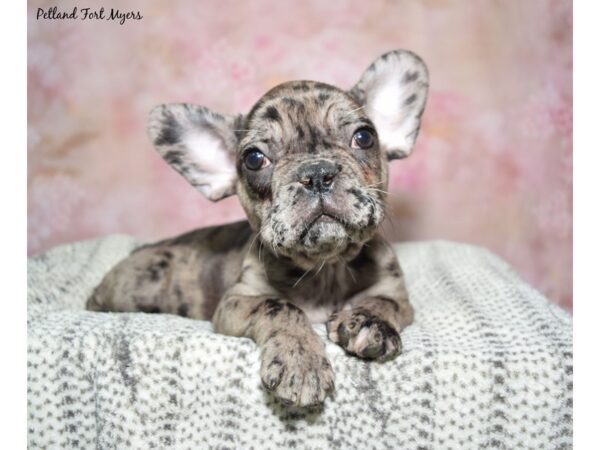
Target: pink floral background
<point>493,163</point>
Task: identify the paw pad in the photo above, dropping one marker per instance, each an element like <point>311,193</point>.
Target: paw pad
<point>364,335</point>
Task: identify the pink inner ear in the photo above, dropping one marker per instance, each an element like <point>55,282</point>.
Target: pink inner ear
<point>210,167</point>
<point>395,101</point>
<point>395,122</point>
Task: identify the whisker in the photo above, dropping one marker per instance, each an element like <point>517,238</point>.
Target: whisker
<point>379,183</point>
<point>317,273</point>
<point>348,269</point>
<point>252,243</point>
<point>389,220</point>
<point>300,279</point>
<point>391,194</point>
<point>260,247</point>
<point>354,110</point>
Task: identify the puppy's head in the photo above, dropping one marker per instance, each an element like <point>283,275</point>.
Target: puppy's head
<point>309,162</point>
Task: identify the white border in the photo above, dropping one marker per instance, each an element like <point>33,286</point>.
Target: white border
<point>586,224</point>
<point>13,200</point>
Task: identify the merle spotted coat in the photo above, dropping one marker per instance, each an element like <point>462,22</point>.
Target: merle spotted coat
<point>309,164</point>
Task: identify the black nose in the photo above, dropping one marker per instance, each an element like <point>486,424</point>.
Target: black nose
<point>318,176</point>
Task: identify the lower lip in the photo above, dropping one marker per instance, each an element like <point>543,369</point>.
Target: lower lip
<point>326,219</point>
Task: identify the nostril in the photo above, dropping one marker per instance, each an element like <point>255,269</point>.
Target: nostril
<point>318,176</point>
<point>305,181</point>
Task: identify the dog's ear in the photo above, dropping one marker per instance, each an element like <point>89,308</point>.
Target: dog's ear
<point>393,91</point>
<point>199,144</point>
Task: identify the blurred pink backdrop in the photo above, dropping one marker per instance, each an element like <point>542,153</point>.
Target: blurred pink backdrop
<point>493,163</point>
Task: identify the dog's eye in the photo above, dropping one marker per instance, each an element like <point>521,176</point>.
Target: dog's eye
<point>254,159</point>
<point>363,138</point>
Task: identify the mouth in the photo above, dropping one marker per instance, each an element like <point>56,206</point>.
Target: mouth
<point>312,228</point>
<point>321,218</point>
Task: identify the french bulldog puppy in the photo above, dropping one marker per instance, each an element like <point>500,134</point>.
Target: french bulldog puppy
<point>309,164</point>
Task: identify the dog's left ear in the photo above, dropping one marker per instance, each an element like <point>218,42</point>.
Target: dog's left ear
<point>199,144</point>
<point>393,92</point>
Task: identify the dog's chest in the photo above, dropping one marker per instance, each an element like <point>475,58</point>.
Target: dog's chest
<point>319,292</point>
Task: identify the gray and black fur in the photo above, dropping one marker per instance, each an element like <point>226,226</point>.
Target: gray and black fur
<point>310,251</point>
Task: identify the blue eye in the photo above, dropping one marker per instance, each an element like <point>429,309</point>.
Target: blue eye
<point>362,138</point>
<point>255,159</point>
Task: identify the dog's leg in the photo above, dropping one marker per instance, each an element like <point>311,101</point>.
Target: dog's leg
<point>160,279</point>
<point>294,365</point>
<point>369,326</point>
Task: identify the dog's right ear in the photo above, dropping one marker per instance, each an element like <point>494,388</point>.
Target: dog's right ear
<point>199,144</point>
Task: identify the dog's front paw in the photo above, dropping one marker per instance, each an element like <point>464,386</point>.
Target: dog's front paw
<point>363,334</point>
<point>296,370</point>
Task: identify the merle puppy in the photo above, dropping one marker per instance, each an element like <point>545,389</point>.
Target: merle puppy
<point>309,164</point>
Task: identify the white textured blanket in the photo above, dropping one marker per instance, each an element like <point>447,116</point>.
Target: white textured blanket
<point>487,363</point>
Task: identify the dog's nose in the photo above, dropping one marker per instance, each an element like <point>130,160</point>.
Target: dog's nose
<point>318,176</point>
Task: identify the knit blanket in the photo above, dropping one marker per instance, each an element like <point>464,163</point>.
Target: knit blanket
<point>487,363</point>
